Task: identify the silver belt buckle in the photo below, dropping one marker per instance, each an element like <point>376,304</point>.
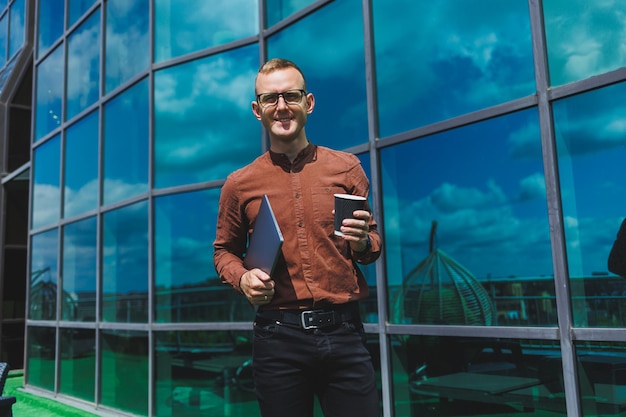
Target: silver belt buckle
<point>303,319</point>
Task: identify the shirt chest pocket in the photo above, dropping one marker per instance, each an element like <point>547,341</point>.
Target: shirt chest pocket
<point>324,204</point>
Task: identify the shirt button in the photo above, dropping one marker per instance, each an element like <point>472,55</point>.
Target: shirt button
<point>299,224</point>
<point>297,195</point>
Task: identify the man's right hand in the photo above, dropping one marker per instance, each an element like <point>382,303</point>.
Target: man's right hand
<point>257,286</point>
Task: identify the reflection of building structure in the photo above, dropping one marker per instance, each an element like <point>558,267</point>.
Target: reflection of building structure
<point>439,290</point>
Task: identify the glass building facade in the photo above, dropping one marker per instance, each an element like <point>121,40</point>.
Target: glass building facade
<point>494,136</point>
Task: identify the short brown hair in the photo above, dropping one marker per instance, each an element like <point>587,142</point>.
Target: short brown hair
<point>275,64</point>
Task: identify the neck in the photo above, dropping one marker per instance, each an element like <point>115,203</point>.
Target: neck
<point>290,149</point>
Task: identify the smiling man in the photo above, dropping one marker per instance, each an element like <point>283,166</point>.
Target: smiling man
<point>308,334</point>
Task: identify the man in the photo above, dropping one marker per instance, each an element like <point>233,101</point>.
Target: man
<point>308,336</point>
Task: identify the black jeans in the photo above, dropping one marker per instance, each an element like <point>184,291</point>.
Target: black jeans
<point>292,366</point>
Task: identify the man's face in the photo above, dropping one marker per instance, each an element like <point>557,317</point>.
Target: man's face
<point>283,121</point>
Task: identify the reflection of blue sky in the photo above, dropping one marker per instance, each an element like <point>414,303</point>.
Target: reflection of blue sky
<point>457,57</point>
<point>45,248</point>
<point>584,38</point>
<point>50,23</point>
<point>184,235</point>
<point>486,193</point>
<point>125,147</point>
<point>125,250</point>
<point>199,107</point>
<point>276,10</point>
<point>334,66</point>
<point>83,66</point>
<point>16,27</point>
<point>126,39</point>
<point>591,139</point>
<point>192,25</point>
<point>46,183</point>
<point>79,256</point>
<point>77,8</point>
<point>81,166</point>
<point>49,93</point>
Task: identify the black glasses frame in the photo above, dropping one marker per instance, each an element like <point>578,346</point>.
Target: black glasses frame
<point>278,95</point>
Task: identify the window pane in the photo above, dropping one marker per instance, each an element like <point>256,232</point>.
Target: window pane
<point>81,166</point>
<point>79,271</point>
<point>50,22</point>
<point>126,40</point>
<point>466,232</point>
<point>124,376</point>
<point>78,363</point>
<point>41,352</point>
<point>50,77</point>
<point>201,371</point>
<point>447,376</point>
<point>584,38</point>
<point>125,264</point>
<point>458,57</point>
<point>187,287</point>
<point>193,25</point>
<point>198,107</point>
<point>46,200</point>
<point>77,9</point>
<point>126,144</point>
<point>16,38</point>
<point>4,35</point>
<point>334,66</point>
<point>83,66</point>
<point>369,306</point>
<point>602,377</point>
<point>591,152</point>
<point>43,277</point>
<point>277,10</point>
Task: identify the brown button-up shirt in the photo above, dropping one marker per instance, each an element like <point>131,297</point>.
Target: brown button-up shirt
<point>316,267</point>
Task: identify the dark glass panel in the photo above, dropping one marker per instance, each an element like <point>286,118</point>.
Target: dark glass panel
<point>83,66</point>
<point>198,108</point>
<point>78,363</point>
<point>16,210</point>
<point>126,145</point>
<point>454,376</point>
<point>49,94</point>
<point>19,137</point>
<point>79,271</point>
<point>43,276</point>
<point>583,38</point>
<point>186,284</point>
<point>591,146</point>
<point>126,51</point>
<point>125,264</point>
<point>124,377</point>
<point>50,21</point>
<point>204,373</point>
<point>602,377</point>
<point>77,8</point>
<point>40,353</point>
<point>193,25</point>
<point>16,27</point>
<point>46,198</point>
<point>80,191</point>
<point>277,10</point>
<point>334,66</point>
<point>466,228</point>
<point>457,57</point>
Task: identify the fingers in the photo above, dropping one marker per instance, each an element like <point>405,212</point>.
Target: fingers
<point>257,286</point>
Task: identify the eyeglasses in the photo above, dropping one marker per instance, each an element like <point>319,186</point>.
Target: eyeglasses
<point>290,97</point>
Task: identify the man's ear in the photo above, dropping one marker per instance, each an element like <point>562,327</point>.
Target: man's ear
<point>310,103</point>
<point>256,109</point>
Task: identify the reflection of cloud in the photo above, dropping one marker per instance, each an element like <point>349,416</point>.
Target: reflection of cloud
<point>117,189</point>
<point>81,200</point>
<point>45,204</point>
<point>525,142</point>
<point>82,63</point>
<point>449,198</point>
<point>596,132</point>
<point>533,187</point>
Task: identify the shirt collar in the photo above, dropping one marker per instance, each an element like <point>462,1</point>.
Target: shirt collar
<point>306,155</point>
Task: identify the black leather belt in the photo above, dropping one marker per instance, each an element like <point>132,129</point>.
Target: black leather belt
<point>312,319</point>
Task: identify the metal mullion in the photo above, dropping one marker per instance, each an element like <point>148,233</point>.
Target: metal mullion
<point>555,211</point>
